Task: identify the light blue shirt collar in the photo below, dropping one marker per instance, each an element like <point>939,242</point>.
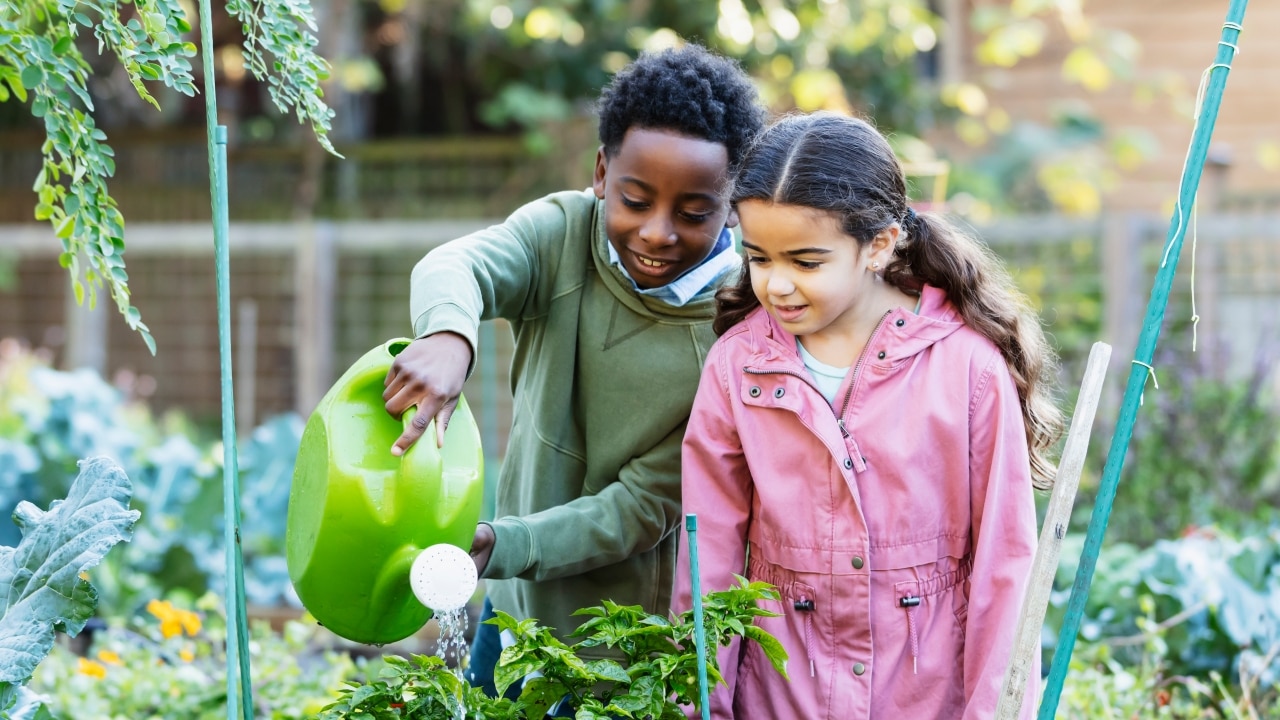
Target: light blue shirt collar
<point>681,290</point>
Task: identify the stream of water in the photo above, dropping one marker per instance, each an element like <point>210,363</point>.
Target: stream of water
<point>452,646</point>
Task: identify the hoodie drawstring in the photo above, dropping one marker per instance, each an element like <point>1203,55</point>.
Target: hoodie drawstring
<point>806,605</point>
<point>912,602</point>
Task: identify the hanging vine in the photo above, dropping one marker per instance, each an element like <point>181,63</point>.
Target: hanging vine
<point>41,64</point>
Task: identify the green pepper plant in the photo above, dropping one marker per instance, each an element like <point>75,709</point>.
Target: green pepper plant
<point>655,672</point>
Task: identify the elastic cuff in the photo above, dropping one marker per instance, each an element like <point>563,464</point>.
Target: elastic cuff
<point>512,549</point>
<point>449,317</point>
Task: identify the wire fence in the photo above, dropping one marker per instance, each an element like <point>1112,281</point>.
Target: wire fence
<point>309,299</point>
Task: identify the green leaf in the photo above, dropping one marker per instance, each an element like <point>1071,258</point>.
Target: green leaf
<point>32,76</point>
<point>64,45</point>
<point>82,19</point>
<point>540,694</point>
<point>608,670</point>
<point>41,576</point>
<point>66,228</point>
<point>15,84</point>
<point>44,211</point>
<point>30,706</point>
<point>772,647</point>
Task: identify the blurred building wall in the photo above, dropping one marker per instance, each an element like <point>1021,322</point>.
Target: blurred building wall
<point>1177,41</point>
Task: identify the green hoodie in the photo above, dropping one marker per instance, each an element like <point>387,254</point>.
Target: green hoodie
<point>588,502</point>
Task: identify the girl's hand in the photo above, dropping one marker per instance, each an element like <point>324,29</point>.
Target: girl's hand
<point>428,375</point>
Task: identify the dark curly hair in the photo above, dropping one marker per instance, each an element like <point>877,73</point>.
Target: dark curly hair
<point>689,90</point>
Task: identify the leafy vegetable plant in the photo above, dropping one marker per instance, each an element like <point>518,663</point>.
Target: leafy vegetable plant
<point>42,588</point>
<point>656,670</point>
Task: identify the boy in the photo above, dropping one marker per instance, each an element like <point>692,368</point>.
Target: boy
<point>609,293</point>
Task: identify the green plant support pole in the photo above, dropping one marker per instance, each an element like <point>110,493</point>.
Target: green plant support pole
<point>699,632</point>
<point>239,695</point>
<point>237,622</point>
<point>1141,367</point>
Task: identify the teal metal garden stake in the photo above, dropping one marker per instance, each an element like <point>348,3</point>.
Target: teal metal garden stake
<point>239,696</point>
<point>1142,369</point>
<point>699,632</point>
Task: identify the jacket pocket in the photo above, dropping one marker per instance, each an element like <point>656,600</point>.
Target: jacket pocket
<point>797,608</point>
<point>934,609</point>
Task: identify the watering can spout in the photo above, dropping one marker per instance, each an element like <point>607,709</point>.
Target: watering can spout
<point>359,516</point>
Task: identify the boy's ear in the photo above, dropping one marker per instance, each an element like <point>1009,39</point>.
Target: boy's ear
<point>731,220</point>
<point>602,167</point>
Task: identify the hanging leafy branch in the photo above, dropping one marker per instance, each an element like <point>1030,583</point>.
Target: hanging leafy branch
<point>41,63</point>
<point>273,29</point>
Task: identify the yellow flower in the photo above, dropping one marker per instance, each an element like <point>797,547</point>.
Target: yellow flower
<point>173,621</point>
<point>190,622</point>
<point>186,655</point>
<point>91,668</point>
<point>109,657</point>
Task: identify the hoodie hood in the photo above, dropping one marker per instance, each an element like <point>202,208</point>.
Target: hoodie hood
<point>900,335</point>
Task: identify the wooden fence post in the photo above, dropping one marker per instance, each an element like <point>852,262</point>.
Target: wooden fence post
<point>315,267</point>
<point>246,370</point>
<point>1123,290</point>
<point>86,333</point>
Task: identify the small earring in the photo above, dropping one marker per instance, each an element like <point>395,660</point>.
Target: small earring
<point>875,266</point>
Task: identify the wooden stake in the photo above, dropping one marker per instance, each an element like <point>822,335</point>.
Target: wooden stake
<point>1045,566</point>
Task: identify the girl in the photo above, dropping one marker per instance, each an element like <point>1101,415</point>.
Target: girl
<point>866,437</point>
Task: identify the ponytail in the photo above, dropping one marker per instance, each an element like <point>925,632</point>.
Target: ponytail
<point>980,288</point>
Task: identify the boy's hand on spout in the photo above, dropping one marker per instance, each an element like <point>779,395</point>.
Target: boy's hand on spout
<point>482,547</point>
<point>428,375</point>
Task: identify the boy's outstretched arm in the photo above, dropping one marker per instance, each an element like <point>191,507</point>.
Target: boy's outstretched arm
<point>427,375</point>
<point>624,518</point>
<point>501,271</point>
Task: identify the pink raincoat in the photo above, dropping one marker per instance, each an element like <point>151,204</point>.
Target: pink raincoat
<point>899,526</point>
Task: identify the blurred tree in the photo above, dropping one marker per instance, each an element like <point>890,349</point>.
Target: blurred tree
<point>460,66</point>
<point>41,63</point>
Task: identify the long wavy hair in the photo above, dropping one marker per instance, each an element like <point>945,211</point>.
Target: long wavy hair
<point>844,166</point>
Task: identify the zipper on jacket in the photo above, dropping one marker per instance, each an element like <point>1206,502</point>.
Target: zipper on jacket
<point>857,368</point>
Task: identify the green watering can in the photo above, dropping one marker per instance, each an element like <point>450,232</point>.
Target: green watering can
<point>359,516</point>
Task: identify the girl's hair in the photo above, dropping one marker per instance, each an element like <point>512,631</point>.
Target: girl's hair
<point>842,165</point>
